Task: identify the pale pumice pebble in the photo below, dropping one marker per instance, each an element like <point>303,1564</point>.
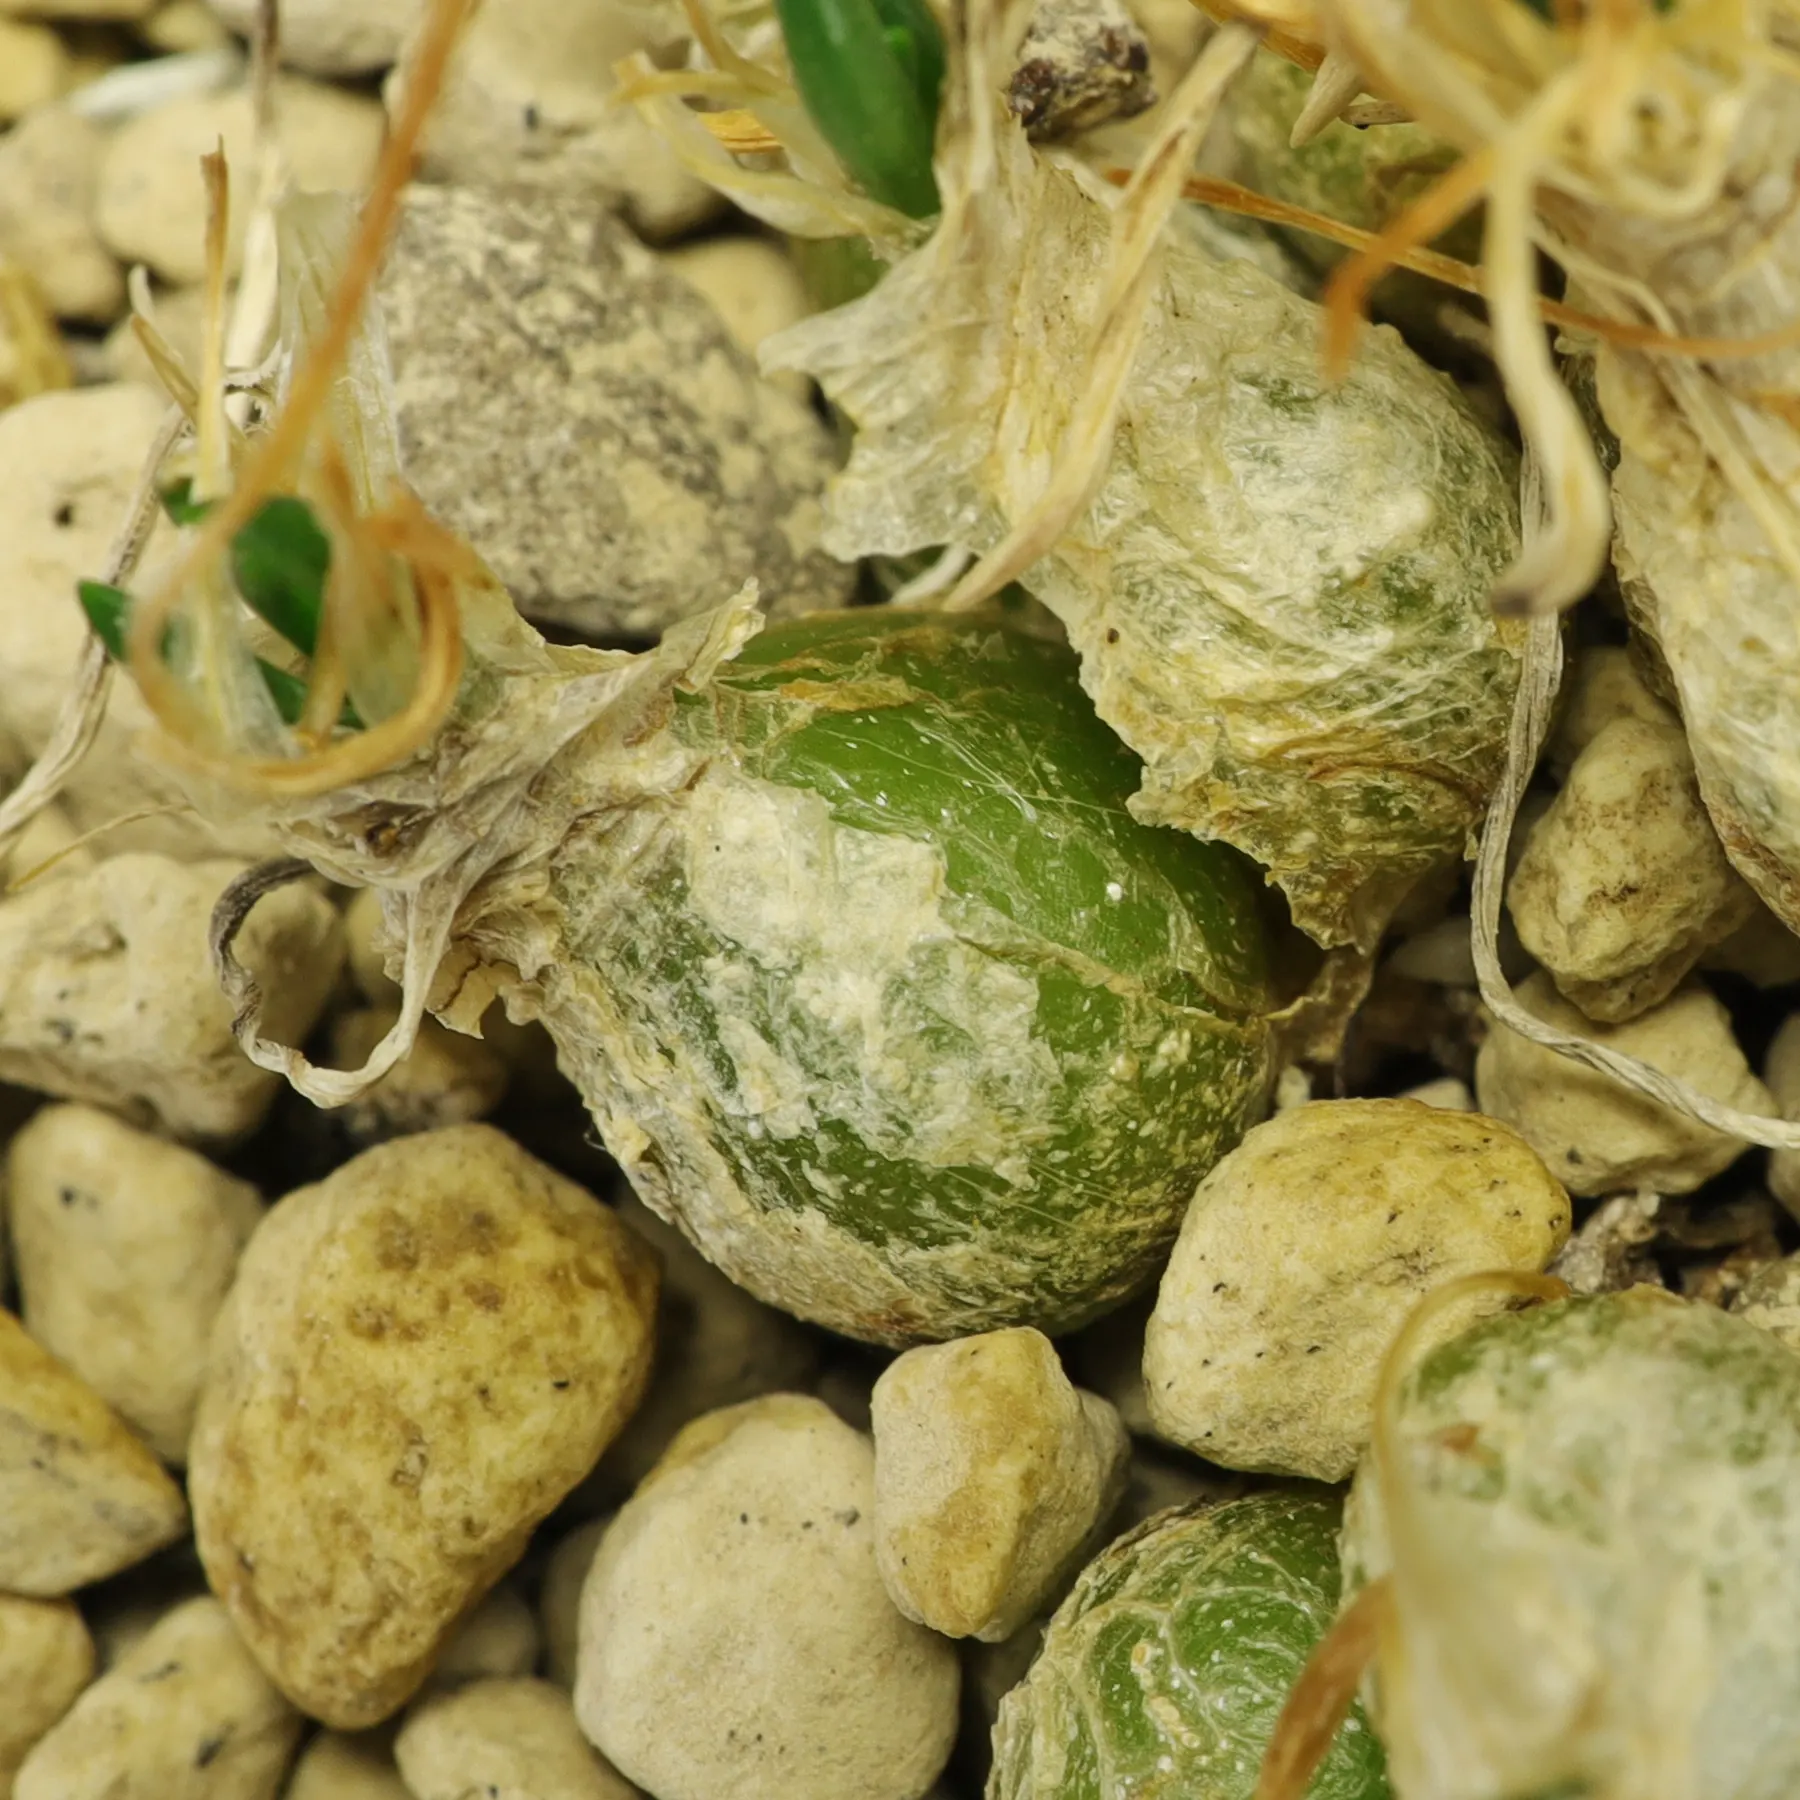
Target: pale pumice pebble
<point>1601,686</point>
<point>1305,1251</point>
<point>1597,1135</point>
<point>342,1765</point>
<point>331,37</point>
<point>1762,950</point>
<point>81,1496</point>
<point>466,1330</point>
<point>499,1638</point>
<point>753,286</point>
<point>528,100</point>
<point>1624,881</point>
<point>81,10</point>
<point>186,1715</point>
<point>151,202</point>
<point>715,1345</point>
<point>559,1597</point>
<point>69,465</point>
<point>180,27</point>
<point>502,1739</point>
<point>736,1640</point>
<point>1293,1087</point>
<point>446,1078</point>
<point>179,317</point>
<point>993,1475</point>
<point>126,1247</point>
<point>1446,1092</point>
<point>366,942</point>
<point>108,995</point>
<point>34,67</point>
<point>46,1659</point>
<point>1781,1071</point>
<point>1770,1297</point>
<point>49,846</point>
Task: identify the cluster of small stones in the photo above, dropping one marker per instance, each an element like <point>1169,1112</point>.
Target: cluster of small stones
<point>400,1453</point>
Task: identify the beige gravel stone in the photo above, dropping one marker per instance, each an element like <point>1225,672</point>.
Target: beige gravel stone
<point>504,1739</point>
<point>660,469</point>
<point>34,67</point>
<point>1302,1255</point>
<point>1624,882</point>
<point>736,1641</point>
<point>1781,1070</point>
<point>151,204</point>
<point>715,1346</point>
<point>78,9</point>
<point>46,1659</point>
<point>528,99</point>
<point>332,37</point>
<point>559,1598</point>
<point>186,1715</point>
<point>464,1331</point>
<point>500,1638</point>
<point>107,991</point>
<point>126,1246</point>
<point>80,1496</point>
<point>993,1474</point>
<point>179,314</point>
<point>180,27</point>
<point>1602,686</point>
<point>339,1765</point>
<point>753,286</point>
<point>445,1079</point>
<point>1599,1136</point>
<point>365,938</point>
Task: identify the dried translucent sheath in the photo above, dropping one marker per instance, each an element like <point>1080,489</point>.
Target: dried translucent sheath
<point>1671,191</point>
<point>1161,1675</point>
<point>1590,1517</point>
<point>868,977</point>
<point>1279,591</point>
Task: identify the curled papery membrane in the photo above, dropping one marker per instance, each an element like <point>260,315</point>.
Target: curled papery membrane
<point>1277,584</point>
<point>1652,147</point>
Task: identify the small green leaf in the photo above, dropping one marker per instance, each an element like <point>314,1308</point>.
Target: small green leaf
<point>279,561</point>
<point>179,503</point>
<point>108,610</point>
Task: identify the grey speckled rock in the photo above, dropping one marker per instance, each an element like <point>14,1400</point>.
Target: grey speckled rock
<point>655,470</point>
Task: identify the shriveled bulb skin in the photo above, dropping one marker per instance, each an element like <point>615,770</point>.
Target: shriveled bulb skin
<point>892,1005</point>
<point>1161,1675</point>
<point>1279,592</point>
<point>1590,1517</point>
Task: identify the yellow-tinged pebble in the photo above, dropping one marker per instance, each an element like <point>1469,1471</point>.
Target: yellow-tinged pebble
<point>503,1737</point>
<point>339,1765</point>
<point>993,1473</point>
<point>1624,883</point>
<point>80,1496</point>
<point>1599,1136</point>
<point>46,1659</point>
<point>186,1715</point>
<point>126,1247</point>
<point>736,1640</point>
<point>463,1331</point>
<point>1304,1252</point>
